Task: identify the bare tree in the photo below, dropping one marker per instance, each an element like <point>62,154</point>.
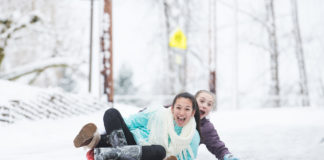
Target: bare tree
<point>270,26</point>
<point>299,54</point>
<point>31,34</point>
<point>171,76</point>
<point>236,56</point>
<point>212,51</point>
<point>176,16</point>
<point>274,53</point>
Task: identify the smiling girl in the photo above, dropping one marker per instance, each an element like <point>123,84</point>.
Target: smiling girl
<point>206,102</point>
<point>154,133</point>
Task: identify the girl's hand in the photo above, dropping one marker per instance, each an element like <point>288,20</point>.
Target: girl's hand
<point>229,157</point>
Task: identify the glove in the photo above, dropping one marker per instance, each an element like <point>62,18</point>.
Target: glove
<point>90,155</point>
<point>229,157</point>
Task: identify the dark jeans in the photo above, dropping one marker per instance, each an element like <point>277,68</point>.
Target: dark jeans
<point>113,120</point>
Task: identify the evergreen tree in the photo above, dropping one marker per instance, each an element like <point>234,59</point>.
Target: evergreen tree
<point>124,84</point>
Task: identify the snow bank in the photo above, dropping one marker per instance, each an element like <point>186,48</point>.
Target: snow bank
<point>267,134</point>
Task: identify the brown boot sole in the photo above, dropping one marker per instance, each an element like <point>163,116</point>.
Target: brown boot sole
<point>85,134</point>
<point>171,158</point>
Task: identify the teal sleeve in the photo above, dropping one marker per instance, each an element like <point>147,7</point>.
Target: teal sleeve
<point>138,120</point>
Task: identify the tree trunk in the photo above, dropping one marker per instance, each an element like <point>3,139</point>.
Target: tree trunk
<point>274,86</point>
<point>176,12</point>
<point>1,55</point>
<point>300,56</point>
<point>236,60</point>
<point>170,73</point>
<point>212,49</point>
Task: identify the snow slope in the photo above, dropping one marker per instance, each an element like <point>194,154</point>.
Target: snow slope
<point>267,134</point>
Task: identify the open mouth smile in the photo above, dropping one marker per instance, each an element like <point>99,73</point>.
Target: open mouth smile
<point>202,112</point>
<point>181,120</point>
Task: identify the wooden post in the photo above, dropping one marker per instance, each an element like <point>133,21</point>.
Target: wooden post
<point>106,49</point>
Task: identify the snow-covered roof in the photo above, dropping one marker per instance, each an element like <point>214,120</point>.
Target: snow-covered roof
<point>20,102</point>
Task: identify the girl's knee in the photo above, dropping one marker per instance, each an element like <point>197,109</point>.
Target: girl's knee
<point>111,112</point>
<point>156,152</point>
<point>160,151</point>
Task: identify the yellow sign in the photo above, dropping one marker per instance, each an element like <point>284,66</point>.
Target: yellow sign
<point>178,40</point>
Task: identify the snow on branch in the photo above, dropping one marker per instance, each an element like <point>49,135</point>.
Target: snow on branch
<point>37,67</point>
<point>12,26</point>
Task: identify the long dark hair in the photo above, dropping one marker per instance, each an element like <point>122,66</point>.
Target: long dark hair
<point>194,107</point>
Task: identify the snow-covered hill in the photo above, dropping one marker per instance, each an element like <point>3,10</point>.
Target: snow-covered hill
<point>22,102</point>
<point>267,134</point>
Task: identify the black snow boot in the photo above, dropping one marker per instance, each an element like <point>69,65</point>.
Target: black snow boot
<point>131,152</point>
<point>115,139</point>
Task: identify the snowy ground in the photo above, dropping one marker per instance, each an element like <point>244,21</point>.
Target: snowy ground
<point>267,134</point>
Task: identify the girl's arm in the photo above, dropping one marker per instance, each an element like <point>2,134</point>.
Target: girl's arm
<point>212,141</point>
<point>137,120</point>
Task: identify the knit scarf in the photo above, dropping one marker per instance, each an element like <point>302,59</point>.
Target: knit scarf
<point>161,126</point>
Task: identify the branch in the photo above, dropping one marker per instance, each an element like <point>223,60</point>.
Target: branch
<point>260,46</point>
<point>34,78</point>
<point>36,67</point>
<point>245,12</point>
<point>198,58</point>
<point>14,27</point>
<point>1,55</point>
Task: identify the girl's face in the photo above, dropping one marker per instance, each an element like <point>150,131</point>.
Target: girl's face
<point>205,102</point>
<point>182,111</point>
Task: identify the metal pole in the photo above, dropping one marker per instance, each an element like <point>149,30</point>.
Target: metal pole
<point>236,56</point>
<point>90,56</point>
